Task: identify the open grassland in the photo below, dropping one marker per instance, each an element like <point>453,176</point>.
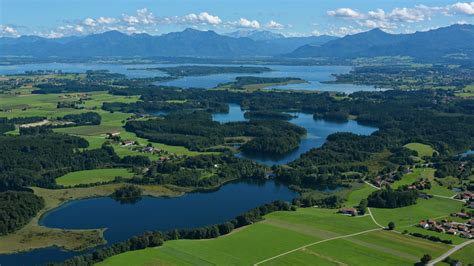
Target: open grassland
<point>468,91</point>
<point>465,256</point>
<point>411,215</point>
<point>309,236</point>
<point>428,173</point>
<point>417,174</point>
<point>45,105</point>
<point>92,176</point>
<point>423,150</point>
<point>357,195</point>
<point>33,235</point>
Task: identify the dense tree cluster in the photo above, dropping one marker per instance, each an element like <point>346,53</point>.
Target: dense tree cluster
<point>203,171</point>
<point>89,118</point>
<point>241,82</point>
<point>17,208</point>
<point>39,158</point>
<point>197,131</point>
<point>267,115</point>
<point>389,198</point>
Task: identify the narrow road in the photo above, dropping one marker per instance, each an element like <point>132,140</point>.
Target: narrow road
<point>368,183</point>
<point>314,243</point>
<point>373,219</point>
<point>446,197</point>
<point>449,252</point>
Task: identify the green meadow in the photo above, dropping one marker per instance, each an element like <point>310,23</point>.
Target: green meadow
<point>411,215</point>
<point>92,176</point>
<point>423,150</point>
<point>309,236</point>
<point>465,256</point>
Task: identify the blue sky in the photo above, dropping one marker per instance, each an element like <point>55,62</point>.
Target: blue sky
<point>57,18</point>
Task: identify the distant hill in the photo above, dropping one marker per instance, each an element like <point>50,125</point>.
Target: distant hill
<point>189,42</point>
<point>256,35</point>
<point>455,39</point>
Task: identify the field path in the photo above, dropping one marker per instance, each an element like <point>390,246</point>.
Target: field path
<point>368,183</point>
<point>373,219</point>
<point>450,252</point>
<point>446,197</point>
<point>315,243</point>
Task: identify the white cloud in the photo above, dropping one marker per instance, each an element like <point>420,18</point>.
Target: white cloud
<point>344,13</point>
<point>464,8</point>
<point>8,31</point>
<point>274,25</point>
<point>245,23</point>
<point>202,18</point>
<point>89,22</point>
<point>106,20</point>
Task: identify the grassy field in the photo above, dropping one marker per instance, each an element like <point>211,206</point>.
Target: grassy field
<point>410,215</point>
<point>357,195</point>
<point>315,237</point>
<point>423,150</point>
<point>465,256</point>
<point>418,173</point>
<point>46,105</point>
<point>428,173</point>
<point>92,176</point>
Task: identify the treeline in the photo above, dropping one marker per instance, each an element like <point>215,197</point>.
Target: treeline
<point>241,82</point>
<point>197,131</point>
<point>88,118</point>
<point>432,238</point>
<point>389,198</point>
<point>202,171</point>
<point>267,115</point>
<point>9,124</point>
<point>154,239</point>
<point>40,157</point>
<point>17,208</point>
<point>184,71</point>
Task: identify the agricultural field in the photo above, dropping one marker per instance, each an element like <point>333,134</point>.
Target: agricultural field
<point>308,236</point>
<point>93,176</point>
<point>425,208</point>
<point>423,150</point>
<point>439,186</point>
<point>465,256</point>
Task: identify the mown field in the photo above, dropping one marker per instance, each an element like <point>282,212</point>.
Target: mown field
<point>423,150</point>
<point>309,236</point>
<point>439,187</point>
<point>92,176</point>
<point>45,105</point>
<point>465,256</point>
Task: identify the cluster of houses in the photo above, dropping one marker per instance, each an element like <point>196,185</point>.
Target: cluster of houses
<point>420,185</point>
<point>467,196</point>
<point>465,230</point>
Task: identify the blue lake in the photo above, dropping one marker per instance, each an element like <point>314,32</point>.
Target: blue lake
<point>150,214</point>
<point>317,132</point>
<point>313,74</point>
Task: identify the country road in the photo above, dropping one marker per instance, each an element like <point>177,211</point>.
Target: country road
<point>450,252</point>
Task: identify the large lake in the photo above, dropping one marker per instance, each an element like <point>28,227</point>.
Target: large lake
<point>314,75</point>
<point>317,132</point>
<point>126,220</point>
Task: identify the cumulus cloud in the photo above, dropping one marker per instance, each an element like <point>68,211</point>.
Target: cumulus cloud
<point>8,31</point>
<point>273,25</point>
<point>400,16</point>
<point>201,18</point>
<point>464,8</point>
<point>344,13</point>
<point>245,23</point>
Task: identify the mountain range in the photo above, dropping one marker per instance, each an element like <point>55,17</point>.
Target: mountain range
<point>455,40</point>
<point>189,42</point>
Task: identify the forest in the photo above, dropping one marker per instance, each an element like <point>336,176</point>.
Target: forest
<point>17,208</point>
<point>197,131</point>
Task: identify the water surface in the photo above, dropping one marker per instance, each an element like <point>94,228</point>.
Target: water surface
<point>151,213</point>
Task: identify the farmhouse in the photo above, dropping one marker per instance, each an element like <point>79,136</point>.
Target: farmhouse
<point>348,211</point>
<point>127,143</point>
